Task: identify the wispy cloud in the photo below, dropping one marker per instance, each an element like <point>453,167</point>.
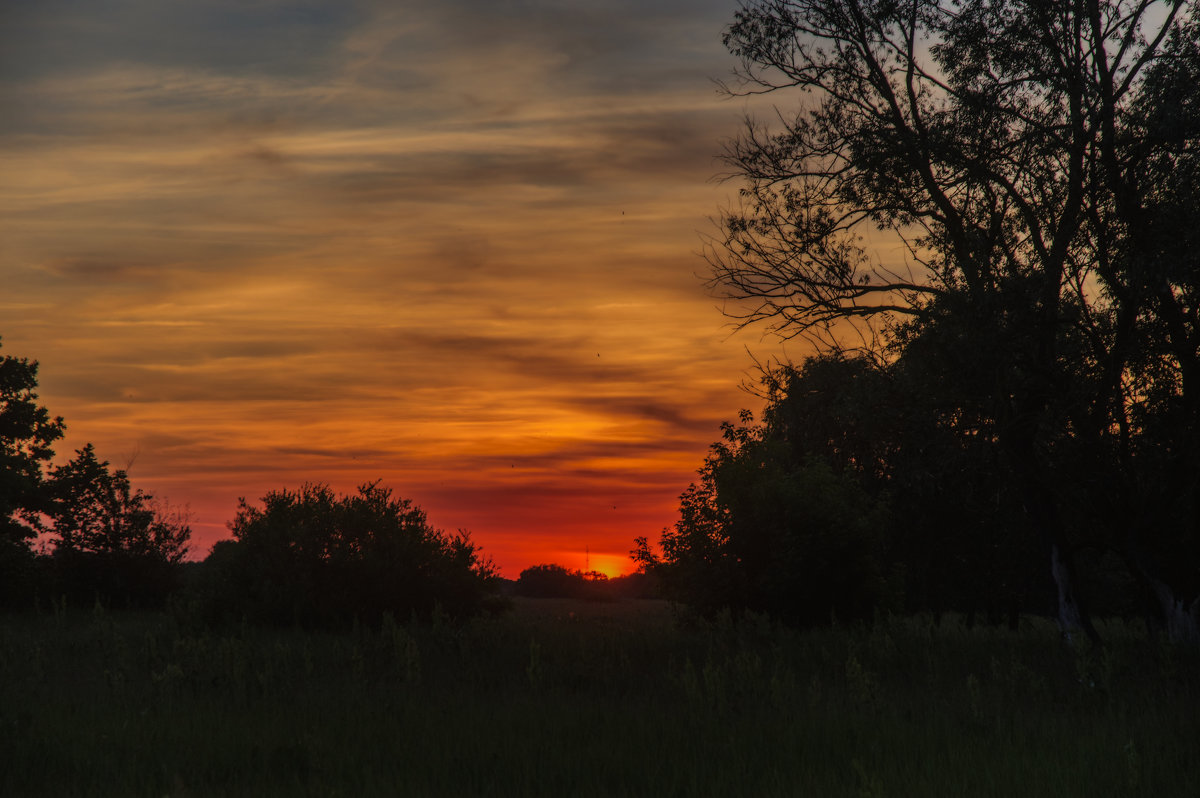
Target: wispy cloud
<point>448,245</point>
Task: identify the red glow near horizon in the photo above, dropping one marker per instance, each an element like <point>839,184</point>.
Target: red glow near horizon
<point>335,249</point>
<point>515,529</point>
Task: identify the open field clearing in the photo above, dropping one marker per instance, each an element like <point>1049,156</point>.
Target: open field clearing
<point>570,698</point>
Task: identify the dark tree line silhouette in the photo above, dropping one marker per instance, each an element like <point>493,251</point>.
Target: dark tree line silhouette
<point>106,540</point>
<point>853,495</point>
<point>314,558</point>
<point>80,533</point>
<point>551,580</point>
<point>1003,414</point>
<point>1037,163</point>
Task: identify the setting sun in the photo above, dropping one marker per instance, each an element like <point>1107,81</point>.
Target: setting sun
<point>335,250</point>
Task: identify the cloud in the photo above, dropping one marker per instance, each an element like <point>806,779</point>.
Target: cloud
<point>449,245</point>
<point>73,36</point>
<point>103,270</point>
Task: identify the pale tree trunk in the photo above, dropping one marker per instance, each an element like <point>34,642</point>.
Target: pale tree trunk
<point>1181,621</point>
<point>1070,620</point>
<point>1178,619</point>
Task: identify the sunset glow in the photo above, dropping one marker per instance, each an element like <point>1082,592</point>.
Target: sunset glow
<point>452,247</point>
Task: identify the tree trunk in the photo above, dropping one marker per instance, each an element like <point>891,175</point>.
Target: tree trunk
<point>1182,622</point>
<point>1070,620</point>
<point>1041,509</point>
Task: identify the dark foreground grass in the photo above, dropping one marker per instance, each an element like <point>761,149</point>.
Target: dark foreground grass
<point>565,699</point>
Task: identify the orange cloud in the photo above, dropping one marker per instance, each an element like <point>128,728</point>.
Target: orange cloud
<point>384,245</point>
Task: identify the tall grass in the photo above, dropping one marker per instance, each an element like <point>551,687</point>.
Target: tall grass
<point>563,698</point>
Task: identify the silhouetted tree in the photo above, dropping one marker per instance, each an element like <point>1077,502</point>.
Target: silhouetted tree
<point>637,585</point>
<point>955,524</point>
<point>555,581</point>
<point>1034,159</point>
<point>774,526</point>
<point>111,541</point>
<point>96,509</point>
<point>312,557</point>
<point>27,434</point>
<point>549,581</point>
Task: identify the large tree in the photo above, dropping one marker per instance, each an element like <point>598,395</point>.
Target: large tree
<point>859,491</point>
<point>312,556</point>
<point>95,510</point>
<point>780,523</point>
<point>112,542</point>
<point>27,435</point>
<point>1032,161</point>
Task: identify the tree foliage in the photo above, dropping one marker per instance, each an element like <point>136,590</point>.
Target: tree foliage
<point>781,523</point>
<point>310,556</point>
<point>1034,163</point>
<point>859,491</point>
<point>111,542</point>
<point>556,581</point>
<point>96,510</point>
<point>27,436</point>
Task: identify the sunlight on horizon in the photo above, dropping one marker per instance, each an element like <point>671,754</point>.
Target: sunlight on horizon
<point>336,250</point>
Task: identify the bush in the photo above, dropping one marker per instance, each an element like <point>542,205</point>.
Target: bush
<point>112,543</point>
<point>555,581</point>
<point>316,559</point>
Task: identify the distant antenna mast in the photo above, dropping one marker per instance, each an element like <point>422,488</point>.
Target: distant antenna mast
<point>587,560</point>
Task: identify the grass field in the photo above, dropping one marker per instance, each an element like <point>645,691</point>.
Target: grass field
<point>561,698</point>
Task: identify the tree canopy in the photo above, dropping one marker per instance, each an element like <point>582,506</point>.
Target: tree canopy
<point>313,557</point>
<point>94,509</point>
<point>1031,165</point>
<point>27,436</point>
<point>110,541</point>
<point>850,497</point>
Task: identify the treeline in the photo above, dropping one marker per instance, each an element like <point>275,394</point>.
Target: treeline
<point>556,581</point>
<point>80,533</point>
<point>94,534</point>
<point>1003,219</point>
<point>866,487</point>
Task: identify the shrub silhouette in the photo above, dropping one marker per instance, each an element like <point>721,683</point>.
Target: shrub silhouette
<point>556,581</point>
<point>111,542</point>
<point>317,559</point>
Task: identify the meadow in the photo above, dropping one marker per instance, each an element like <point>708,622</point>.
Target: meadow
<point>571,698</point>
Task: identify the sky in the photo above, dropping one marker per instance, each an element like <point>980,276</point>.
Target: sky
<point>451,246</point>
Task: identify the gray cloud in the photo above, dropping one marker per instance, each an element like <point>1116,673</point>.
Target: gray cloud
<point>296,37</point>
<point>99,269</point>
<point>265,241</point>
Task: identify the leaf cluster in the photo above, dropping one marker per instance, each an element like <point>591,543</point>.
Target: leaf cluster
<point>313,557</point>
